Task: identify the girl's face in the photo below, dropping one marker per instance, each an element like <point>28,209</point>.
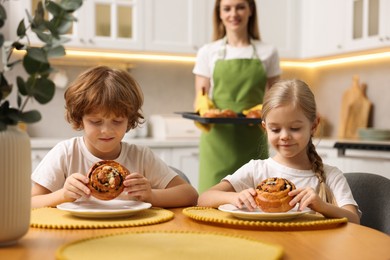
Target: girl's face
<point>235,14</point>
<point>289,132</point>
<point>103,135</point>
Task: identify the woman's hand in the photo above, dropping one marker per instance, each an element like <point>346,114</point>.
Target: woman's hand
<point>137,186</point>
<point>246,199</point>
<point>306,197</point>
<point>75,187</point>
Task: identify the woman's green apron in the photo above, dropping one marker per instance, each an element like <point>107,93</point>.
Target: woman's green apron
<point>238,84</point>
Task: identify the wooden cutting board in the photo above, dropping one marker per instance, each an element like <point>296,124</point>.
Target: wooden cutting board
<point>355,110</point>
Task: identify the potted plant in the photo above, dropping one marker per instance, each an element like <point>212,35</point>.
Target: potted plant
<point>50,23</point>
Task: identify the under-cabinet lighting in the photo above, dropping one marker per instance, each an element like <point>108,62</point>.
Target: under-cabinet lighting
<point>129,56</point>
<point>336,61</point>
<point>121,56</point>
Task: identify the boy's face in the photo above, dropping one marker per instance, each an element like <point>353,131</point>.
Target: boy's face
<point>103,134</point>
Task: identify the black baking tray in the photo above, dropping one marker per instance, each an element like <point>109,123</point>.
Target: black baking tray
<point>240,119</point>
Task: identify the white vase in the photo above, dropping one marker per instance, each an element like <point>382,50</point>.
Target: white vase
<point>15,185</point>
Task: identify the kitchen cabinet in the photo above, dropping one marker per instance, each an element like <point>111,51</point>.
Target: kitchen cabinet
<point>323,28</point>
<point>368,24</point>
<point>370,162</point>
<point>279,25</point>
<point>169,26</point>
<point>101,24</point>
<point>175,26</point>
<point>187,160</point>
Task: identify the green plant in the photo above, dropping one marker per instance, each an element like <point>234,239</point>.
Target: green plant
<point>51,32</point>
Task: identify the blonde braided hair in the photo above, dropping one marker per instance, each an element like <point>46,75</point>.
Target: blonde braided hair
<point>318,168</point>
<point>298,93</point>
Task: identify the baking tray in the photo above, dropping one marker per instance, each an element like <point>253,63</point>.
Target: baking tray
<point>241,119</point>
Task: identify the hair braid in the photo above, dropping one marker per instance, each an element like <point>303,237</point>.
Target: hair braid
<point>318,168</point>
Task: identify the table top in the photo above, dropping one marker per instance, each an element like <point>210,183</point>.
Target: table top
<point>349,241</point>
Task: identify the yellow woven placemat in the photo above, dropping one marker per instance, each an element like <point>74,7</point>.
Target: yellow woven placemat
<point>302,222</point>
<point>54,218</point>
<point>170,245</point>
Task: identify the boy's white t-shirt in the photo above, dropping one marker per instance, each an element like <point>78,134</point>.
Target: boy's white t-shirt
<point>255,171</point>
<point>72,156</point>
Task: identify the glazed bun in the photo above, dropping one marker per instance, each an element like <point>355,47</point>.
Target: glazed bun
<point>272,195</point>
<point>106,179</point>
<point>213,113</point>
<point>254,114</point>
<point>228,113</point>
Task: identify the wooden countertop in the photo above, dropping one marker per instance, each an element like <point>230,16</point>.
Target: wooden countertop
<point>349,241</point>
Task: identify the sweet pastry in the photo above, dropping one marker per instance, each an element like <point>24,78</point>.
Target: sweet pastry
<point>228,113</point>
<point>106,179</point>
<point>272,195</point>
<point>224,113</point>
<point>254,114</point>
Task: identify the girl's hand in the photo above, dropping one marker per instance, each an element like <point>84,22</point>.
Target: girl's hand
<point>75,187</point>
<point>306,197</point>
<point>136,185</point>
<point>246,199</point>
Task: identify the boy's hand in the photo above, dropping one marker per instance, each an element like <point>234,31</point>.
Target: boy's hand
<point>137,186</point>
<point>75,187</point>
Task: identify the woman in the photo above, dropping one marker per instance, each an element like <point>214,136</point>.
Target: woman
<point>235,70</point>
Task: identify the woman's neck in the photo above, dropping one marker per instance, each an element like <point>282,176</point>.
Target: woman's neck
<point>238,40</point>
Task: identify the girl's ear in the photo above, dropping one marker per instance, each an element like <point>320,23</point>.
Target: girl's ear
<point>263,124</point>
<point>315,125</point>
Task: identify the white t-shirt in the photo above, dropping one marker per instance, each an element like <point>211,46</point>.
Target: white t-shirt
<point>210,53</point>
<point>71,156</point>
<point>255,171</point>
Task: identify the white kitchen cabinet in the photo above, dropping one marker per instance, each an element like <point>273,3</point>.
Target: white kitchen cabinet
<point>175,26</point>
<point>323,25</point>
<point>101,24</point>
<point>279,25</point>
<point>368,24</point>
<point>109,24</point>
<point>377,162</point>
<point>329,156</point>
<point>187,160</point>
<point>164,154</point>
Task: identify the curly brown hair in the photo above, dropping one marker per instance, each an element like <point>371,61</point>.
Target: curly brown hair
<point>104,90</point>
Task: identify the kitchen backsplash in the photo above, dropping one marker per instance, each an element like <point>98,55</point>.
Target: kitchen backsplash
<point>169,87</point>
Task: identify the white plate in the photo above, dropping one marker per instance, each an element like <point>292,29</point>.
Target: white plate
<point>257,214</point>
<point>104,209</point>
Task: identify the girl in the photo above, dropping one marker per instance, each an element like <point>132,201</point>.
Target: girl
<point>106,103</point>
<point>290,120</point>
<point>235,70</point>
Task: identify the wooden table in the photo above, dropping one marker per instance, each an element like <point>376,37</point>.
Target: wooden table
<point>349,241</point>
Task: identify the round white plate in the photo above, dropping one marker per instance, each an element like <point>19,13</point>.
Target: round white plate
<point>257,214</point>
<point>104,209</point>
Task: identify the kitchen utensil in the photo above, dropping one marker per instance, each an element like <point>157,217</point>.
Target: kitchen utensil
<point>355,110</point>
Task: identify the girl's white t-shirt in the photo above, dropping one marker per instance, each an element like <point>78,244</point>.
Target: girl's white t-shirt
<point>255,171</point>
<point>72,156</point>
